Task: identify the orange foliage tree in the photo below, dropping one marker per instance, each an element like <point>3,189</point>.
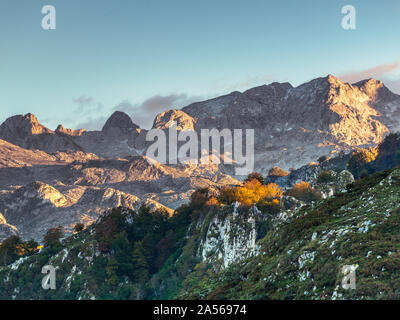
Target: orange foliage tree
<point>253,191</point>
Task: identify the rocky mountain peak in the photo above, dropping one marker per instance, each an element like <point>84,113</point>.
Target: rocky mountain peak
<point>119,121</point>
<point>22,126</point>
<point>332,79</point>
<point>376,90</point>
<point>182,119</point>
<point>61,129</point>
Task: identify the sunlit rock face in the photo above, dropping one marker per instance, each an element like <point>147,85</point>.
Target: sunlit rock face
<point>6,230</point>
<point>70,132</point>
<point>294,126</point>
<point>181,120</point>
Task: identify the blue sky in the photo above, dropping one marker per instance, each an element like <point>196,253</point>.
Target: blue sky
<point>147,56</point>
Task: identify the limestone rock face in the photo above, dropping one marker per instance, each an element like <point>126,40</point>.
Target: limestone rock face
<point>6,230</point>
<point>231,237</point>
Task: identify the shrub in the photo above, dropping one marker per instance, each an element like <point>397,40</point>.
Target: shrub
<point>227,195</point>
<point>271,207</point>
<point>388,153</point>
<point>53,236</point>
<point>9,250</point>
<point>250,193</point>
<point>199,198</point>
<point>325,176</point>
<point>361,160</point>
<point>79,227</point>
<point>322,159</point>
<point>303,191</point>
<point>255,175</point>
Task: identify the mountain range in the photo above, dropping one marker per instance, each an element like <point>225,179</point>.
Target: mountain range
<point>66,176</point>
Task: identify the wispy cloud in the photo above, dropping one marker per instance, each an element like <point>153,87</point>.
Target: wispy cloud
<point>92,123</point>
<point>89,112</point>
<point>92,114</point>
<point>87,105</point>
<point>144,113</point>
<point>387,73</point>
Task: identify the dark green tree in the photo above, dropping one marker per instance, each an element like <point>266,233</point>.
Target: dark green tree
<point>140,268</point>
<point>255,175</point>
<point>51,239</point>
<point>9,250</point>
<point>79,227</point>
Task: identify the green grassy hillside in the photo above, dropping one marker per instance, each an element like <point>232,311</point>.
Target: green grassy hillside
<point>302,257</point>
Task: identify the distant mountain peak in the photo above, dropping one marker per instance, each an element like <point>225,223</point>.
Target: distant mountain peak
<point>61,129</point>
<point>376,90</point>
<point>23,125</point>
<point>182,119</point>
<point>369,82</point>
<point>332,78</point>
<point>119,121</point>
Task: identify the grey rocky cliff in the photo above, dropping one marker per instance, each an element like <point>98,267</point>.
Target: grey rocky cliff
<point>231,235</point>
<point>337,183</point>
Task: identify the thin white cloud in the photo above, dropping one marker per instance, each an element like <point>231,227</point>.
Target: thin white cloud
<point>388,73</point>
<point>143,114</point>
<point>87,105</point>
<point>92,115</point>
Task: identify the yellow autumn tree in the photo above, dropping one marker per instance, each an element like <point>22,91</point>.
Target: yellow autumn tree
<point>253,191</point>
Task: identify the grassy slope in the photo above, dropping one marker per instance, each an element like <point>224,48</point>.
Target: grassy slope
<point>303,256</point>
